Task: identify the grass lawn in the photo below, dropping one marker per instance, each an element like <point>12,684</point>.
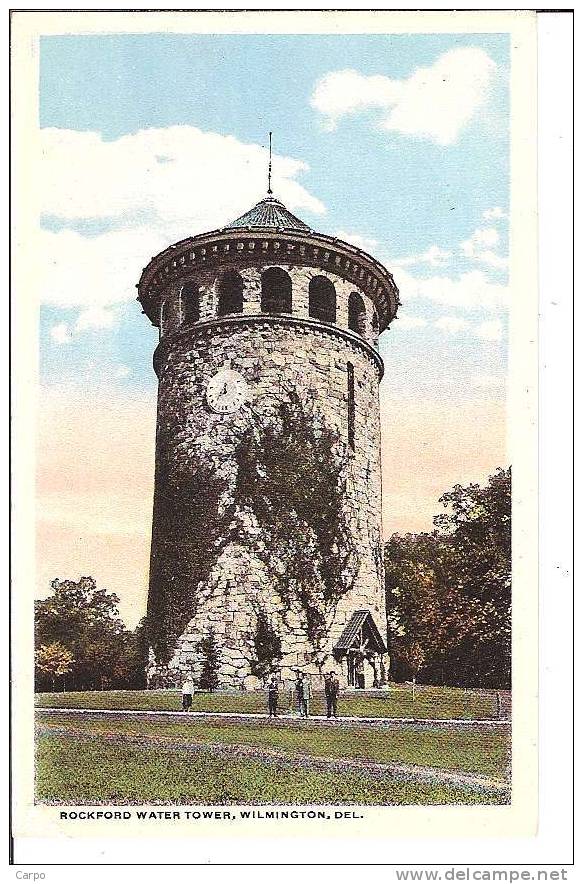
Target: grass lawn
<point>471,749</point>
<point>397,702</point>
<point>82,770</point>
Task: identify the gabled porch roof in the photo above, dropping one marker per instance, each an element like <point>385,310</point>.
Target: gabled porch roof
<point>361,625</point>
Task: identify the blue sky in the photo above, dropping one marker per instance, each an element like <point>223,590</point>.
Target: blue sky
<point>396,194</point>
<point>396,143</point>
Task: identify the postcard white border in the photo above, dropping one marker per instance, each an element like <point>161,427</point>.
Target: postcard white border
<point>517,820</point>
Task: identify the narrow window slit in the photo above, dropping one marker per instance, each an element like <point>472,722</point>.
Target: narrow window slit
<point>351,406</point>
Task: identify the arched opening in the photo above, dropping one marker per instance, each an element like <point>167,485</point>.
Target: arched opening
<point>276,291</point>
<point>190,298</point>
<point>230,294</point>
<point>322,299</point>
<point>356,314</point>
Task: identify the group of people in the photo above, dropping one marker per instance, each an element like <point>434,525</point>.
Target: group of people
<point>302,691</point>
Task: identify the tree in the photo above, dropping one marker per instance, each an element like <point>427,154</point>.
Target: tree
<point>449,591</point>
<point>130,669</point>
<point>423,608</point>
<point>209,649</point>
<point>54,660</point>
<point>85,620</point>
<point>413,656</point>
<point>476,533</point>
<point>267,647</point>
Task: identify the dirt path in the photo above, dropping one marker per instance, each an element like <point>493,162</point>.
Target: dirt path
<point>342,721</point>
<point>415,773</point>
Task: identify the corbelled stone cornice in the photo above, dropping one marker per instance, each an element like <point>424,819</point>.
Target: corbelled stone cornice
<point>256,248</point>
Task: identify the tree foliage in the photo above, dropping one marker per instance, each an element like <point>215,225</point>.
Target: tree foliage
<point>54,660</point>
<point>84,621</point>
<point>291,480</point>
<point>130,666</point>
<point>449,591</point>
<point>211,659</point>
<point>192,526</point>
<point>266,646</point>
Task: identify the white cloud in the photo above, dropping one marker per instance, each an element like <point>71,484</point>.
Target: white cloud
<point>90,319</point>
<point>489,330</point>
<point>495,214</point>
<point>93,271</point>
<point>434,256</point>
<point>480,247</point>
<point>485,236</point>
<point>434,102</point>
<point>95,317</point>
<point>468,291</point>
<point>491,259</point>
<point>178,175</point>
<point>406,321</point>
<point>451,324</point>
<point>367,244</point>
<point>347,92</point>
<point>150,189</point>
<point>488,381</point>
<point>61,333</point>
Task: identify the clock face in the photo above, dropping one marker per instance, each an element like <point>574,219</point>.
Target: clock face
<point>226,391</point>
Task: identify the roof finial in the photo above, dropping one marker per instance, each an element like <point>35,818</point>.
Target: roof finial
<point>269,190</point>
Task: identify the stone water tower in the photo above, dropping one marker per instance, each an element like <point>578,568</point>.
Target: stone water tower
<point>258,317</point>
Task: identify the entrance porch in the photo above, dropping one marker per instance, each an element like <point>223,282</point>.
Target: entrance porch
<point>360,650</point>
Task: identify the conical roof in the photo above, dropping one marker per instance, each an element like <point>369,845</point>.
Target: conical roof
<point>268,214</point>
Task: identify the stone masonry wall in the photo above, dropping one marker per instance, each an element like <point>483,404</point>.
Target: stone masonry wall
<point>273,356</point>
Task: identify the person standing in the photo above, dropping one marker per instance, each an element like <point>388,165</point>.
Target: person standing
<point>299,690</point>
<point>331,689</point>
<point>306,695</point>
<point>359,669</point>
<point>187,692</point>
<point>272,696</point>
